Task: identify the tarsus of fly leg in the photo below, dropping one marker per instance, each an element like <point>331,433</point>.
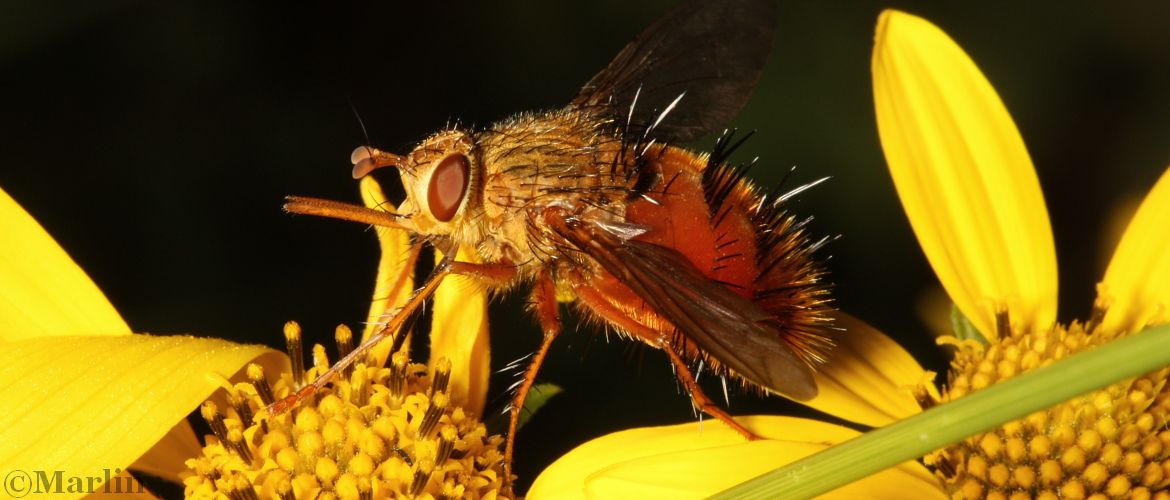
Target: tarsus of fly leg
<point>387,330</point>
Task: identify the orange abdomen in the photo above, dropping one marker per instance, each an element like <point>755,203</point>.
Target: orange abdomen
<point>722,245</point>
<point>717,220</point>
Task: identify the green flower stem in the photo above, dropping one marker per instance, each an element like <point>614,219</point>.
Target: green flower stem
<point>949,423</point>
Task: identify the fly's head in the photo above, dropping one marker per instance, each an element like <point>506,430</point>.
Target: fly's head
<point>440,178</point>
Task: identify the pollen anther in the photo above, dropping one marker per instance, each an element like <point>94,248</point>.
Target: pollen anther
<point>376,433</point>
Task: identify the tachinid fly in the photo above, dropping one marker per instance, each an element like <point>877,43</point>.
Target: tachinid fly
<point>594,201</point>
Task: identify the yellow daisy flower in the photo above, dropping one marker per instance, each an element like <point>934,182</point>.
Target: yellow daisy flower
<point>86,399</point>
<point>376,432</point>
<point>974,202</point>
<point>380,429</point>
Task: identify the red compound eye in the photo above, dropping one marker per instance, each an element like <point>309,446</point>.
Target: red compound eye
<point>448,186</point>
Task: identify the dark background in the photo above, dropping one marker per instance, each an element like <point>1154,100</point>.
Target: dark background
<point>155,141</point>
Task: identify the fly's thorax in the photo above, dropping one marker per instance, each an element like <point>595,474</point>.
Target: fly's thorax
<point>487,190</point>
<point>566,159</point>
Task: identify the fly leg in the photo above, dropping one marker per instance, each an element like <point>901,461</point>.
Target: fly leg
<point>700,398</point>
<point>606,309</point>
<point>489,273</point>
<point>388,330</point>
<point>399,282</point>
<point>544,305</point>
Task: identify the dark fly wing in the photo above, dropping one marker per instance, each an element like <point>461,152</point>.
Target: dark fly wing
<point>714,51</point>
<point>734,330</point>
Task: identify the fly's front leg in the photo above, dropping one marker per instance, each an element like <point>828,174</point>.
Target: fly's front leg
<point>490,273</point>
<point>389,330</point>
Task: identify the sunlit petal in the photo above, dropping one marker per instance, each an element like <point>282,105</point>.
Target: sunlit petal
<point>963,175</point>
<point>44,292</point>
<point>696,460</point>
<point>459,333</point>
<point>869,378</point>
<point>82,404</point>
<point>1136,288</point>
<point>394,282</point>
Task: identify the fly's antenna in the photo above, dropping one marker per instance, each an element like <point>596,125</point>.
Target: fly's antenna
<point>367,158</point>
<point>361,123</point>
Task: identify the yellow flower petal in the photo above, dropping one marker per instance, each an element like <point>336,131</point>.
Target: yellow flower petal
<point>393,276</point>
<point>1136,288</point>
<point>44,292</point>
<point>869,378</point>
<point>84,404</point>
<point>459,333</point>
<point>686,461</point>
<point>963,175</point>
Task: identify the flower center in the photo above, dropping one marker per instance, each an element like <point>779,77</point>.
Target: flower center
<point>1113,442</point>
<point>378,432</point>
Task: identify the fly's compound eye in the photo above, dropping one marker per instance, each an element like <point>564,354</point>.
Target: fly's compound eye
<point>448,186</point>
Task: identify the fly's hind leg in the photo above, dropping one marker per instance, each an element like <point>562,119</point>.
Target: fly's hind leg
<point>700,398</point>
<point>606,309</point>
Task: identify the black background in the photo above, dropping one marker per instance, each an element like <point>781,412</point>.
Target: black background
<point>155,142</point>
